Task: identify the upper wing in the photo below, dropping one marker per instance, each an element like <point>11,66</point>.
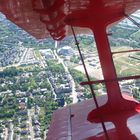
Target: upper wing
<point>42,18</point>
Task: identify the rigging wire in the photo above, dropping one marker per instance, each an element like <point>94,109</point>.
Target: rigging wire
<point>91,87</point>
<point>132,20</point>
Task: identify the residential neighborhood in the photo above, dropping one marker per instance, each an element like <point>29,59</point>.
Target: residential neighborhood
<point>23,92</point>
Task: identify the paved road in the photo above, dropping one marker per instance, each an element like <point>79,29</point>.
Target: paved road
<point>23,56</point>
<point>30,114</point>
<point>11,131</point>
<point>60,60</point>
<point>6,134</point>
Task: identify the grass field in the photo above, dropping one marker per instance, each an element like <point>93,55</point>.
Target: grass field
<point>124,64</point>
<point>37,54</point>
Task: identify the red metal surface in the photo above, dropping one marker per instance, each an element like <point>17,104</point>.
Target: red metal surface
<point>21,13</point>
<point>44,17</point>
<point>70,123</point>
<point>116,103</point>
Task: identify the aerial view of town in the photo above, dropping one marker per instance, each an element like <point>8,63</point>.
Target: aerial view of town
<point>39,76</point>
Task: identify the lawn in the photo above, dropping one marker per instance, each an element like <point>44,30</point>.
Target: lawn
<point>37,54</point>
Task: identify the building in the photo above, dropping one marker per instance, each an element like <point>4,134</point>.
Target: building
<point>47,53</point>
<point>66,51</point>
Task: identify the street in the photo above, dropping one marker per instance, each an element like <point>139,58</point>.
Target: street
<point>74,93</point>
<point>30,114</point>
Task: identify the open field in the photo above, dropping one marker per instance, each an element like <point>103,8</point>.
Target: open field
<point>124,64</point>
<point>95,73</point>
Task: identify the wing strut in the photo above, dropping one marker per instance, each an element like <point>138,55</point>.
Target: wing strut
<point>91,87</point>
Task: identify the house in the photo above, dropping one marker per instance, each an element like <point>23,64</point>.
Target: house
<point>137,83</point>
<point>22,106</point>
<point>36,128</point>
<point>37,134</point>
<point>22,112</point>
<point>20,94</point>
<point>22,119</point>
<point>43,90</point>
<point>23,100</point>
<point>127,90</point>
<point>24,132</point>
<point>47,53</point>
<point>66,51</point>
<point>24,125</point>
<point>60,101</point>
<point>36,122</point>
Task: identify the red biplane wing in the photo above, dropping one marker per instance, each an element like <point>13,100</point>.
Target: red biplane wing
<point>21,13</point>
<point>42,18</point>
<point>70,123</point>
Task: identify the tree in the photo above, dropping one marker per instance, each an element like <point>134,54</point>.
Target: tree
<point>45,84</point>
<point>24,87</point>
<point>10,72</point>
<point>30,102</point>
<point>54,67</point>
<point>75,59</point>
<point>77,75</point>
<point>32,84</point>
<point>136,93</point>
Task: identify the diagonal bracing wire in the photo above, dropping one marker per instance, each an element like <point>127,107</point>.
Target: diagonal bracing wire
<point>132,20</point>
<point>91,88</point>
